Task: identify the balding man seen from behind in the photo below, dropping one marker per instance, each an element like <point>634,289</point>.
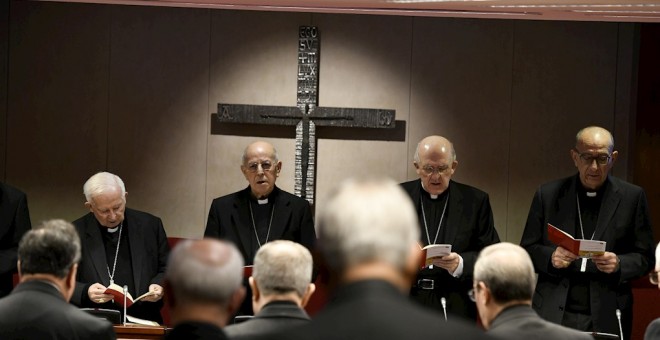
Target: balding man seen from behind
<point>281,288</point>
<point>504,282</point>
<point>203,288</point>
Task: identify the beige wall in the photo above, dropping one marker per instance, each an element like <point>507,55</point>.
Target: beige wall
<point>132,89</point>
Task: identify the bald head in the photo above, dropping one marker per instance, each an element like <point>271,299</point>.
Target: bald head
<point>435,163</point>
<point>204,271</point>
<point>435,146</point>
<point>593,156</point>
<point>261,168</point>
<point>595,136</point>
<point>260,148</point>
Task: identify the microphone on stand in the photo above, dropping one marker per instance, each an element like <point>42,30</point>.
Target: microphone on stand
<point>618,318</point>
<point>125,293</point>
<point>443,301</point>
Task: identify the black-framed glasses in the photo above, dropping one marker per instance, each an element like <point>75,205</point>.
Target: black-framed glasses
<point>429,170</point>
<point>471,295</point>
<point>265,166</point>
<point>587,158</point>
<point>653,277</point>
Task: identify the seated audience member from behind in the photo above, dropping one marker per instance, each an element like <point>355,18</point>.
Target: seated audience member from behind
<point>122,246</point>
<point>504,281</point>
<point>653,330</point>
<point>38,307</point>
<point>203,288</point>
<point>368,237</point>
<point>281,287</point>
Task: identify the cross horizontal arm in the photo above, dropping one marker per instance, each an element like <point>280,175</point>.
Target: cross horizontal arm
<point>353,117</point>
<point>259,114</point>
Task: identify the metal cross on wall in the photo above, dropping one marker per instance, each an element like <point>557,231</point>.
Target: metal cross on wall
<point>307,114</point>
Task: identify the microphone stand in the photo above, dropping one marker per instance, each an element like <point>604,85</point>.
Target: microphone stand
<point>618,317</point>
<point>444,306</point>
<point>125,292</point>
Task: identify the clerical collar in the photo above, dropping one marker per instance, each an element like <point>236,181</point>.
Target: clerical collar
<point>263,201</point>
<point>115,229</point>
<point>435,197</point>
<point>590,193</point>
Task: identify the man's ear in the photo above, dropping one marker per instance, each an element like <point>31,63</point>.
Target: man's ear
<point>255,288</point>
<point>18,265</point>
<point>88,206</point>
<point>311,288</point>
<point>70,282</point>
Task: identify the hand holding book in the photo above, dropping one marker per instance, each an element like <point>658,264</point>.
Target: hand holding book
<point>118,295</point>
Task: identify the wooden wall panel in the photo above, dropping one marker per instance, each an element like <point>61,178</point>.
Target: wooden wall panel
<point>158,126</point>
<point>57,103</point>
<point>461,89</point>
<point>563,80</point>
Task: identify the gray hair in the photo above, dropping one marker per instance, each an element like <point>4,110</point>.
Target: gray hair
<point>50,248</point>
<point>364,221</point>
<point>205,270</point>
<point>103,182</point>
<point>282,267</point>
<point>578,136</point>
<point>507,270</point>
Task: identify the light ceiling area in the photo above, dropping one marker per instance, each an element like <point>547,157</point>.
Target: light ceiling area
<point>578,10</point>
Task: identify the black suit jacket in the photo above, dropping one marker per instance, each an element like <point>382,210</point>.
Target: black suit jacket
<point>14,222</point>
<point>149,250</point>
<point>229,219</point>
<point>375,309</point>
<point>470,228</point>
<point>623,222</point>
<point>273,317</point>
<point>195,330</point>
<point>522,322</point>
<point>37,310</point>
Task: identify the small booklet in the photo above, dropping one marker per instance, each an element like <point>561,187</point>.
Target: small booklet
<point>434,251</point>
<point>118,293</point>
<point>580,247</point>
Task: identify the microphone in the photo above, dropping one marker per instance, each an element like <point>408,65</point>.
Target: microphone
<point>618,318</point>
<point>443,301</point>
<point>125,293</point>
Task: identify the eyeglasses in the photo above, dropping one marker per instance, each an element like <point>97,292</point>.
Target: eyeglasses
<point>265,166</point>
<point>653,277</point>
<point>471,295</point>
<point>587,158</point>
<point>429,170</point>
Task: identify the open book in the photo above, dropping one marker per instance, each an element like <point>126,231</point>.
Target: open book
<point>582,248</point>
<point>434,251</point>
<point>118,293</point>
<point>138,321</point>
